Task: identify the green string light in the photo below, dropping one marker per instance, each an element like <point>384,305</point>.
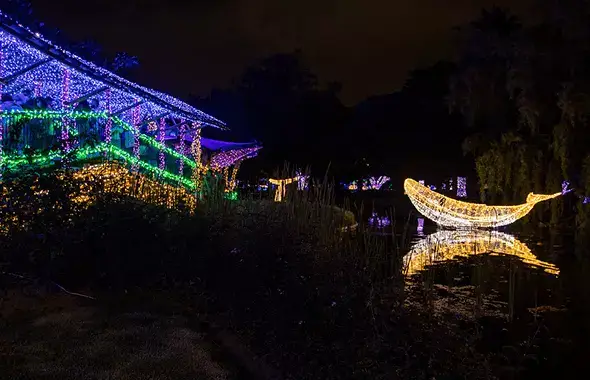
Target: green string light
<point>231,195</point>
<point>19,115</point>
<point>12,162</point>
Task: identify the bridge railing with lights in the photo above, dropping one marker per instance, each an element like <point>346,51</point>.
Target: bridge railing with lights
<point>42,138</point>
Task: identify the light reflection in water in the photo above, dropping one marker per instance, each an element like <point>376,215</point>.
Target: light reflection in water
<point>448,245</point>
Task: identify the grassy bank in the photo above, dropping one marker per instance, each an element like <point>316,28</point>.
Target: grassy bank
<point>306,299</point>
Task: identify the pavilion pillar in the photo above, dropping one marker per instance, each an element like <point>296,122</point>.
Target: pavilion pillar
<point>65,97</point>
<point>161,137</point>
<point>181,150</point>
<point>135,116</point>
<point>234,176</point>
<point>226,178</point>
<point>1,119</point>
<point>196,152</point>
<point>1,70</point>
<point>108,128</point>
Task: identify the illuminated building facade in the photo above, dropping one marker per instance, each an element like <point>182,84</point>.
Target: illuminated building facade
<point>56,107</point>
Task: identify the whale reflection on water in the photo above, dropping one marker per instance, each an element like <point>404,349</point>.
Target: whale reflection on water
<point>448,245</point>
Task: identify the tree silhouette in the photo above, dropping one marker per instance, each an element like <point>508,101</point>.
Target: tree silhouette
<point>525,90</point>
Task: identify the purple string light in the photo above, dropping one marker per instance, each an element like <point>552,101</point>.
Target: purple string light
<point>135,124</point>
<point>303,181</point>
<point>38,88</point>
<point>1,120</point>
<point>224,159</point>
<point>65,96</point>
<point>161,136</point>
<point>379,221</point>
<point>376,183</point>
<point>108,128</point>
<point>565,187</point>
<point>181,150</point>
<point>461,187</point>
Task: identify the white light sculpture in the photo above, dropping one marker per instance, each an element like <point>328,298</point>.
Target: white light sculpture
<point>376,183</point>
<point>450,212</point>
<point>281,188</point>
<point>448,245</point>
<point>303,181</point>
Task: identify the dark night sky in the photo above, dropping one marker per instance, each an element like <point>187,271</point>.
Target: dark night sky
<point>193,46</point>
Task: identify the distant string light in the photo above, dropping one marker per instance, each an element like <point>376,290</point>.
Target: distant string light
<point>263,185</point>
<point>303,182</point>
<point>420,227</point>
<point>379,221</point>
<point>461,187</point>
<point>449,212</point>
<point>375,183</point>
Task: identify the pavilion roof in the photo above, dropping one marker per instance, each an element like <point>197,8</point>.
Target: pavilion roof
<point>28,60</point>
<point>222,146</point>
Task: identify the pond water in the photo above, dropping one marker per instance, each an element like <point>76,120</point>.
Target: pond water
<point>528,294</point>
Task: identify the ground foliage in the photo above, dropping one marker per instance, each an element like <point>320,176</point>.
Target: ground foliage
<point>312,301</point>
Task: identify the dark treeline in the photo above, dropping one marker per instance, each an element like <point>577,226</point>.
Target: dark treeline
<point>511,111</point>
<point>282,103</point>
<point>524,91</point>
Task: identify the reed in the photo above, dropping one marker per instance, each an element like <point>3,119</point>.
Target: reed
<point>317,300</point>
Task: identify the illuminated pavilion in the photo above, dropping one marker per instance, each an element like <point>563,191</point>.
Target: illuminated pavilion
<point>57,106</point>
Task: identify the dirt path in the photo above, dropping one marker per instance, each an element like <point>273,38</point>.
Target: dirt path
<point>61,337</point>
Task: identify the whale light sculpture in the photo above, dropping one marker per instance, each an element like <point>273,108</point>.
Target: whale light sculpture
<point>447,245</point>
<point>449,212</point>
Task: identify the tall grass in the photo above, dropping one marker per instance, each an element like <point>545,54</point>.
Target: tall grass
<point>317,298</point>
